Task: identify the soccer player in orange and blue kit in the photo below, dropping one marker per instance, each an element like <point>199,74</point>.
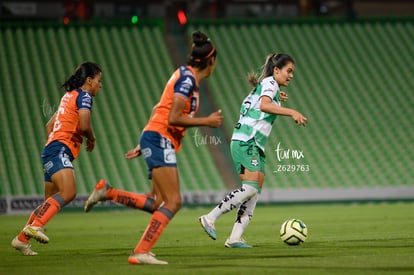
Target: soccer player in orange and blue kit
<point>160,141</point>
<point>66,130</point>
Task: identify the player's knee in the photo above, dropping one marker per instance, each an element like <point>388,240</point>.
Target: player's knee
<point>177,204</point>
<point>68,195</point>
<point>250,189</point>
<point>173,203</point>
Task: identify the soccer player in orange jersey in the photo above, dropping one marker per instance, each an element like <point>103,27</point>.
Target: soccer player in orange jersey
<point>160,141</point>
<point>67,128</point>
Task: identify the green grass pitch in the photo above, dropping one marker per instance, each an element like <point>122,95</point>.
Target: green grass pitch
<point>370,238</point>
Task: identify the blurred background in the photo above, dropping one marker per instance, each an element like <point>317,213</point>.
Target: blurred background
<point>353,80</point>
<point>85,10</point>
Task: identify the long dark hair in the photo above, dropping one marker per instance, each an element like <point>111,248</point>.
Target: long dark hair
<point>273,60</point>
<point>202,50</point>
<point>78,78</point>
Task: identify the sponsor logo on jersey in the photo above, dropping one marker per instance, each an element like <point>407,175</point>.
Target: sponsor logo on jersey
<point>47,166</point>
<point>187,72</point>
<point>86,100</point>
<point>187,81</point>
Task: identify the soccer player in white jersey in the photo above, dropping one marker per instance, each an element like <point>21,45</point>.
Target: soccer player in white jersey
<point>257,113</point>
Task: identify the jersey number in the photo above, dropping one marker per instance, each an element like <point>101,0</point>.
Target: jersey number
<point>57,125</point>
<point>245,107</point>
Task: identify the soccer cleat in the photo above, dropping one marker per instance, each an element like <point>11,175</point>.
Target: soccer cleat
<point>24,248</point>
<point>238,244</point>
<point>144,258</point>
<point>208,227</point>
<point>36,233</point>
<point>97,195</point>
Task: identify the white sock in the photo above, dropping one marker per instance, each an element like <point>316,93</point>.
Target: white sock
<point>244,216</point>
<point>233,200</point>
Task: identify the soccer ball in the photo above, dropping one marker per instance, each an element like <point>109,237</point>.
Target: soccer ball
<point>293,232</point>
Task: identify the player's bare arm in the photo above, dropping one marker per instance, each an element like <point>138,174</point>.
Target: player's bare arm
<point>177,118</point>
<point>85,125</point>
<point>267,106</point>
<point>49,124</point>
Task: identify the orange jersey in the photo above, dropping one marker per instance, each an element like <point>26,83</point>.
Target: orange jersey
<point>66,125</point>
<point>184,85</point>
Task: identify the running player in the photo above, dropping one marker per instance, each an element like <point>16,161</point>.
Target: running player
<point>258,112</point>
<point>160,141</point>
<point>66,130</point>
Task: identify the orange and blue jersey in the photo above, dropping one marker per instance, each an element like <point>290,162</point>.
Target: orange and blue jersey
<point>66,125</point>
<point>183,85</point>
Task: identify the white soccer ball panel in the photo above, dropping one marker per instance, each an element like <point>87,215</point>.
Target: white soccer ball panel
<point>293,232</point>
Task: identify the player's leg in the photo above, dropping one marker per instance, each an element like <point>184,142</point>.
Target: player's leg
<point>248,161</point>
<point>149,141</point>
<point>156,195</point>
<point>244,216</point>
<point>231,201</point>
<point>166,182</point>
<point>50,189</point>
<point>22,242</point>
<point>161,160</point>
<point>254,174</point>
<point>64,181</point>
<point>104,191</point>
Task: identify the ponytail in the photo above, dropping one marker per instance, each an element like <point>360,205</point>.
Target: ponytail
<point>82,72</point>
<point>272,61</point>
<point>202,49</point>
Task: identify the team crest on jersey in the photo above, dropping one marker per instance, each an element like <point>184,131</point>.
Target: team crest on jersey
<point>255,162</point>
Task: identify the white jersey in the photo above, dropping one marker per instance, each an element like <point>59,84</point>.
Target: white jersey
<point>253,123</point>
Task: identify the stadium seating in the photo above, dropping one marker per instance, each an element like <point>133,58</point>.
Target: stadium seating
<point>136,64</point>
<point>353,80</point>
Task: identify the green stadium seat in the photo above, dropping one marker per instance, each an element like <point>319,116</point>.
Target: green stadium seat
<point>353,80</point>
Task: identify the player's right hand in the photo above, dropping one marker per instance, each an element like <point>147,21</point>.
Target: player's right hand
<point>215,119</point>
<point>299,118</point>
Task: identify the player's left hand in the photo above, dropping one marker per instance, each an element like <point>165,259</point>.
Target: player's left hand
<point>283,96</point>
<point>90,144</point>
<point>133,153</point>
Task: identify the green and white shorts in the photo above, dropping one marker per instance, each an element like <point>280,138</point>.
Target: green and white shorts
<point>247,155</point>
